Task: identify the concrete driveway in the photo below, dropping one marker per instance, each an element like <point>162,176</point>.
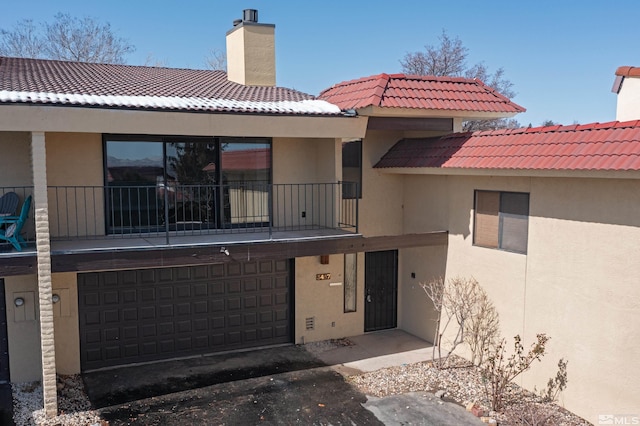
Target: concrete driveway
<point>283,385</point>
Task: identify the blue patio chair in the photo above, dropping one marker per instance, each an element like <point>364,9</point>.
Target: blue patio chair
<point>9,204</point>
<point>13,226</point>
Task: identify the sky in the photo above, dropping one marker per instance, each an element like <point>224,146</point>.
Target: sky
<point>560,55</point>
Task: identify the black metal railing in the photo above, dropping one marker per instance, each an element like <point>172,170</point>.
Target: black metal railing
<point>90,212</point>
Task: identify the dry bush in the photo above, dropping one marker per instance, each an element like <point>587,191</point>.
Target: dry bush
<point>462,303</point>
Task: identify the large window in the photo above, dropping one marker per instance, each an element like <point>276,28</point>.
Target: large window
<point>501,220</point>
<point>155,182</point>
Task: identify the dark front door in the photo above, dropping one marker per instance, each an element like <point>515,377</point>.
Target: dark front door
<point>381,290</point>
<point>4,341</point>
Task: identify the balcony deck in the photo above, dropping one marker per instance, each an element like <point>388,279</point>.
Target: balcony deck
<point>115,243</point>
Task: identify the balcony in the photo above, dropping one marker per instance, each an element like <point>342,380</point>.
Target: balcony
<point>94,218</point>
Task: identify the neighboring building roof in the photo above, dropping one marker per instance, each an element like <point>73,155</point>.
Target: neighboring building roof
<point>419,92</point>
<point>621,74</point>
<point>242,160</point>
<point>628,71</point>
<point>39,81</point>
<point>597,146</point>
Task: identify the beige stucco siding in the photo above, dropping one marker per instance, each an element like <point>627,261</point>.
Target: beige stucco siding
<point>95,120</point>
<point>323,300</point>
<point>582,289</point>
<point>23,326</point>
<point>577,283</point>
<point>382,194</point>
<point>15,161</point>
<point>66,323</point>
<point>75,175</point>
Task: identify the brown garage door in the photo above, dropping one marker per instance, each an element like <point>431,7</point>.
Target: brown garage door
<point>144,315</point>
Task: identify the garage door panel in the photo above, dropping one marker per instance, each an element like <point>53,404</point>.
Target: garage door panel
<point>217,271</point>
<point>110,298</point>
<point>165,311</point>
<point>145,315</point>
<point>250,268</point>
<point>92,318</point>
<point>234,287</point>
<point>125,277</point>
<point>147,294</point>
<point>147,276</point>
<point>250,285</point>
<point>129,296</point>
<point>111,316</point>
<point>130,332</point>
<point>234,269</point>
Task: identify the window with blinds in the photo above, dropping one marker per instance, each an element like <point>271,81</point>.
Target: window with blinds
<point>501,220</point>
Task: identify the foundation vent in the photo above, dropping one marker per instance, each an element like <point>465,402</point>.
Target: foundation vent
<point>310,323</point>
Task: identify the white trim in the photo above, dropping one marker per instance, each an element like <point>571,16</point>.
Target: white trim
<point>307,106</point>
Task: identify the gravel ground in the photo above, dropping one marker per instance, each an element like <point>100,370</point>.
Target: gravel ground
<point>461,384</point>
<point>73,405</point>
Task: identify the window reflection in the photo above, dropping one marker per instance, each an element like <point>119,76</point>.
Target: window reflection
<point>186,183</point>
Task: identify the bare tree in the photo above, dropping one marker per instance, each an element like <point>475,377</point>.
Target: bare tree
<point>23,41</point>
<point>461,303</point>
<point>66,38</point>
<point>216,60</point>
<point>449,59</point>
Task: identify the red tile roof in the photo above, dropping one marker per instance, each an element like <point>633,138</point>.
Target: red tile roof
<point>78,83</point>
<point>597,146</point>
<point>628,71</point>
<point>251,159</point>
<point>419,92</point>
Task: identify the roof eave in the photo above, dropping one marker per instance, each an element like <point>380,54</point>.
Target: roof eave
<point>543,173</point>
<point>376,111</point>
<point>58,118</point>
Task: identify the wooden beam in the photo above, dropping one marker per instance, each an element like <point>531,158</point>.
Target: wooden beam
<point>18,265</point>
<point>241,252</point>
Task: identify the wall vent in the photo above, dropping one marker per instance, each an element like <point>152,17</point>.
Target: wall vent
<point>310,323</point>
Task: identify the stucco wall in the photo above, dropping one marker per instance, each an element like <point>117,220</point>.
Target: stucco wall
<point>628,103</point>
<point>578,282</point>
<point>23,328</point>
<point>66,323</point>
<point>15,161</point>
<point>382,194</point>
<point>323,302</point>
<point>75,160</point>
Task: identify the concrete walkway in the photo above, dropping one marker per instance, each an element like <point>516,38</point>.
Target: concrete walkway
<point>389,348</point>
<point>373,351</point>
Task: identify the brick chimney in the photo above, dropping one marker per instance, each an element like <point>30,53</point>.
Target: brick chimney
<point>251,53</point>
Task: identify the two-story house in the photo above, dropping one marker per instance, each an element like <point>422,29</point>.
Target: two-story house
<point>182,212</point>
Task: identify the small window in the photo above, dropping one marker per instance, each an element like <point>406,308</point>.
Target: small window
<point>350,282</point>
<point>352,169</point>
<point>502,220</point>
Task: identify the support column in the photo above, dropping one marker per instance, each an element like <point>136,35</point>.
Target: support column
<point>43,247</point>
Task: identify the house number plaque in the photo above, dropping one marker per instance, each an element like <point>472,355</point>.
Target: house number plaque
<point>323,277</point>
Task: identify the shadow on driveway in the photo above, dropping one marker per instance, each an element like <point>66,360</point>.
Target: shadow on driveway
<point>125,384</point>
<point>281,385</point>
<point>272,386</point>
